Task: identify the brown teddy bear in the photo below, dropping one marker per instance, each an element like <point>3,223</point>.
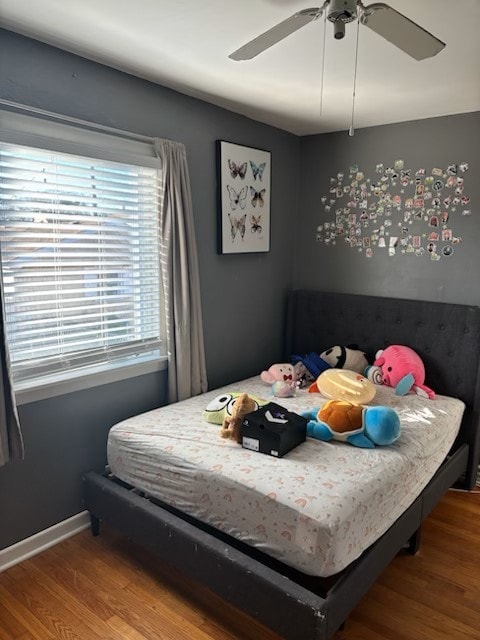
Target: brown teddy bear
<point>231,424</point>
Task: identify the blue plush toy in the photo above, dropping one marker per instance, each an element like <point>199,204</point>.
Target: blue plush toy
<point>312,362</point>
<point>347,422</point>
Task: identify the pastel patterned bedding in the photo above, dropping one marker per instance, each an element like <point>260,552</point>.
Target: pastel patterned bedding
<point>316,509</point>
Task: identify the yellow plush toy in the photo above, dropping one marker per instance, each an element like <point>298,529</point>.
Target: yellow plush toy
<point>341,384</point>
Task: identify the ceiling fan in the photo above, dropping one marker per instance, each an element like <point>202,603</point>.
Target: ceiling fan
<point>387,22</point>
<point>380,17</point>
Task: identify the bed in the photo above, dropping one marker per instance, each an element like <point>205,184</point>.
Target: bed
<point>293,588</point>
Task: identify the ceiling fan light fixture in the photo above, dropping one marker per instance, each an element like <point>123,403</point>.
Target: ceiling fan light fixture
<point>338,29</point>
<point>342,11</point>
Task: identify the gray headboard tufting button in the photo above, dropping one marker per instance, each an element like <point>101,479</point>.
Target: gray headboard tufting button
<point>420,324</point>
<point>441,327</point>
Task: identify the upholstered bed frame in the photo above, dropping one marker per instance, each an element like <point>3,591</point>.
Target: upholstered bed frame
<point>447,337</point>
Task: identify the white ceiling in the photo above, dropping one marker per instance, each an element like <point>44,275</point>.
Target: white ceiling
<point>184,44</point>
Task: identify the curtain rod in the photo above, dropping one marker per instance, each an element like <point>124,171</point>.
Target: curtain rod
<point>77,121</point>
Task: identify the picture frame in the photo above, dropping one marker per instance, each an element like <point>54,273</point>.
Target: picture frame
<point>244,194</point>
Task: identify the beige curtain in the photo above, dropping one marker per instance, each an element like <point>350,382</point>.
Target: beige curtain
<point>181,283</point>
<point>11,441</point>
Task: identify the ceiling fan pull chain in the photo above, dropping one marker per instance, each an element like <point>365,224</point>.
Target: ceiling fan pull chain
<point>351,130</point>
<point>322,78</point>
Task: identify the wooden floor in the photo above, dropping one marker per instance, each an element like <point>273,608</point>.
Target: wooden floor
<point>106,588</point>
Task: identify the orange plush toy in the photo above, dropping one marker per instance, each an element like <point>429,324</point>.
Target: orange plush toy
<point>342,417</point>
<point>231,424</point>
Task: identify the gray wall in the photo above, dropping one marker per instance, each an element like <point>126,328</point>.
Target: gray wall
<point>435,142</point>
<point>65,436</point>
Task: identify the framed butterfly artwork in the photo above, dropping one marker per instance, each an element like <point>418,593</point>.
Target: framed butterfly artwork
<point>244,190</point>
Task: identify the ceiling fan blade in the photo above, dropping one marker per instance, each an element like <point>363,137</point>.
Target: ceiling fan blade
<point>275,34</point>
<point>401,31</point>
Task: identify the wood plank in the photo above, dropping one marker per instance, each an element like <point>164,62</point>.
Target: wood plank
<point>111,591</point>
<point>108,588</point>
<point>150,580</point>
<point>122,628</point>
<point>10,626</point>
<point>48,612</point>
<point>445,602</point>
<point>27,586</point>
<point>91,625</point>
<point>423,621</point>
<point>33,625</point>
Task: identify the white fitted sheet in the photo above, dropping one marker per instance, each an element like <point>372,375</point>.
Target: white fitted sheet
<point>318,508</point>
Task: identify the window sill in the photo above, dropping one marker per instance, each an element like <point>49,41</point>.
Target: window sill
<point>60,384</point>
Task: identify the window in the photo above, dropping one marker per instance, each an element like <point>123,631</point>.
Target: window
<point>79,242</point>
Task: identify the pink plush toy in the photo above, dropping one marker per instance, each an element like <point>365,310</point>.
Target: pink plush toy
<point>403,369</point>
<point>279,372</point>
<point>283,379</point>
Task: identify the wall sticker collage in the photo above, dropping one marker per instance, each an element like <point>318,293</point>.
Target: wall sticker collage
<point>399,210</point>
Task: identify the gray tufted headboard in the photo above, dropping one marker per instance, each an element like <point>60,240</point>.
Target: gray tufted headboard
<point>446,337</point>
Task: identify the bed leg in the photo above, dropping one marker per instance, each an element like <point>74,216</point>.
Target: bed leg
<point>94,525</point>
<point>414,542</point>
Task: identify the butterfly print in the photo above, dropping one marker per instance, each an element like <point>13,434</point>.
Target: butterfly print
<point>237,199</point>
<point>257,196</point>
<point>237,224</point>
<point>255,224</point>
<point>257,170</point>
<point>237,169</point>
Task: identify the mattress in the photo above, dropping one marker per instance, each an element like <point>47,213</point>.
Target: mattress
<point>316,509</point>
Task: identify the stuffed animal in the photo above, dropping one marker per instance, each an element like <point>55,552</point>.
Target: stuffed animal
<point>282,389</point>
<point>283,379</point>
<point>301,373</point>
<point>403,370</point>
<point>231,424</point>
<point>350,358</point>
<point>374,374</point>
<point>312,363</point>
<point>283,372</point>
<point>360,426</point>
<point>340,384</point>
<point>222,406</point>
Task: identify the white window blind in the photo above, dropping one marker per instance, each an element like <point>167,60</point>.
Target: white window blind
<point>79,242</point>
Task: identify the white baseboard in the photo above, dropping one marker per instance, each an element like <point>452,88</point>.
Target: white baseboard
<point>43,540</point>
